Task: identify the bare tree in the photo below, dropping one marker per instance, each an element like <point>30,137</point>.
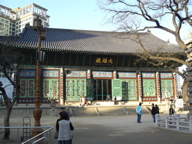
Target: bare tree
<point>8,56</point>
<point>167,60</point>
<point>152,13</point>
<point>171,16</point>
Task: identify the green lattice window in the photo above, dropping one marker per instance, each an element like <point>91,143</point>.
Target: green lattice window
<point>167,88</point>
<point>149,88</point>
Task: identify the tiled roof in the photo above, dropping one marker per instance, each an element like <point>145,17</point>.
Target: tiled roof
<point>96,42</point>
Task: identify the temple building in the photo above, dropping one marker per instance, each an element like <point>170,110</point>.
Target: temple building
<point>97,65</point>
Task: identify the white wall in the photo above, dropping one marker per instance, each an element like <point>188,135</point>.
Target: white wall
<point>179,78</point>
<point>8,87</point>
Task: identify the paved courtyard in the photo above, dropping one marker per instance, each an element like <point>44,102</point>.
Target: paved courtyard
<point>110,130</point>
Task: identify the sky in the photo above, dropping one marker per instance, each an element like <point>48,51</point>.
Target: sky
<point>76,14</point>
<point>68,14</point>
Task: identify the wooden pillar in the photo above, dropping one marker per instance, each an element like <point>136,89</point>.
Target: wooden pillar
<point>89,74</point>
<point>64,85</point>
<point>61,86</point>
<point>175,85</point>
<point>140,85</point>
<point>158,82</point>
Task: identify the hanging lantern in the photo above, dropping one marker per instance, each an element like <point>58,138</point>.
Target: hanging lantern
<point>43,34</point>
<point>40,56</point>
<point>36,23</point>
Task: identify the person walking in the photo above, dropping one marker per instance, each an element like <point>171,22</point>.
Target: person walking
<point>153,112</point>
<point>139,112</point>
<point>64,128</point>
<point>157,110</point>
<point>115,100</point>
<point>171,111</point>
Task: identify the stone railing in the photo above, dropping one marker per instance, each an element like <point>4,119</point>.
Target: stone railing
<point>175,123</point>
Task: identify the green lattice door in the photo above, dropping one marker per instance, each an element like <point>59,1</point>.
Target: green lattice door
<point>129,89</point>
<point>117,89</point>
<point>75,88</point>
<point>51,88</point>
<point>90,92</point>
<point>27,89</point>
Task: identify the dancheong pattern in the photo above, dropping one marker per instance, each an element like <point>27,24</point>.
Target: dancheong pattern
<point>149,87</point>
<point>167,88</point>
<point>75,88</point>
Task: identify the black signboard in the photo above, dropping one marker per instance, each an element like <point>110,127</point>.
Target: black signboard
<point>100,60</point>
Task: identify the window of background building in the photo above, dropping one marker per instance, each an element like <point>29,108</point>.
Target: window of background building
<point>2,75</point>
<point>27,10</point>
<point>23,11</point>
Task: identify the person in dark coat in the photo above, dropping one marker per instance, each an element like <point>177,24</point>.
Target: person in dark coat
<point>157,110</point>
<point>171,111</point>
<point>153,112</point>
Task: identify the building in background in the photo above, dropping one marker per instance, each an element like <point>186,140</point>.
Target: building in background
<point>98,66</point>
<point>12,21</point>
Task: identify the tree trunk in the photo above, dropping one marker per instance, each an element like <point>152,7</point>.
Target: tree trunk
<point>9,106</point>
<point>7,124</point>
<point>184,91</point>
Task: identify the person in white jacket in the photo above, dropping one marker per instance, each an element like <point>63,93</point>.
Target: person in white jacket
<point>64,128</point>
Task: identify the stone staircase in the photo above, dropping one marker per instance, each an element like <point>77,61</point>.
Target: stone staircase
<point>104,110</point>
<point>76,110</point>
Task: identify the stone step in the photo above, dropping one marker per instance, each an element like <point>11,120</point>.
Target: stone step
<point>77,110</point>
